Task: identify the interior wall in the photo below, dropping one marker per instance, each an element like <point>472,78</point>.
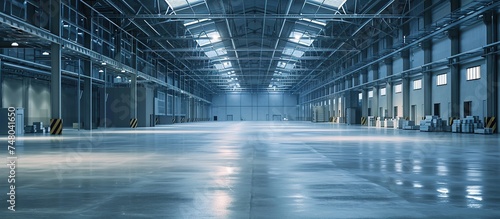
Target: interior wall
<point>254,106</point>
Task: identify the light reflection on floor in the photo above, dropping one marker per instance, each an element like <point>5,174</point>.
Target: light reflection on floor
<point>257,170</point>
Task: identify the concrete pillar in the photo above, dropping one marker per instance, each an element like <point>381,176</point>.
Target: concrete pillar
<point>1,85</point>
<point>406,97</point>
<point>364,93</point>
<point>491,22</point>
<point>375,101</point>
<point>454,76</point>
<point>388,87</point>
<point>133,84</point>
<point>427,47</point>
<point>406,85</point>
<point>55,85</point>
<point>427,78</point>
<point>86,71</point>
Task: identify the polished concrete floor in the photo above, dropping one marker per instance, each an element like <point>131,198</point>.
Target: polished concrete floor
<point>256,170</point>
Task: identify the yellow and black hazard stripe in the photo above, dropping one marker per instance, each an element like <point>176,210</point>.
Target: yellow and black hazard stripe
<point>450,120</point>
<point>363,121</point>
<point>56,126</point>
<point>133,123</point>
<point>491,122</point>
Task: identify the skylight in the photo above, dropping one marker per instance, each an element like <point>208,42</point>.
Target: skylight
<point>224,65</point>
<point>329,3</point>
<point>215,53</point>
<point>293,52</point>
<point>213,38</point>
<point>181,3</point>
<point>318,22</point>
<point>285,65</point>
<point>301,38</point>
<point>192,22</point>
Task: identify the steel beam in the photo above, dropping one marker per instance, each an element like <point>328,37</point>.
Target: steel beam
<point>258,16</point>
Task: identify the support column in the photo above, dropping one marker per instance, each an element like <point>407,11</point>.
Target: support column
<point>388,88</point>
<point>454,76</point>
<point>375,101</point>
<point>427,78</point>
<point>406,97</point>
<point>1,85</point>
<point>133,84</point>
<point>491,22</point>
<point>55,49</point>
<point>86,108</point>
<point>406,85</point>
<point>364,93</point>
<point>86,68</point>
<point>375,97</point>
<point>427,47</point>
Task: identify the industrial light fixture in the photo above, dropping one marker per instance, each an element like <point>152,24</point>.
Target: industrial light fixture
<point>14,44</point>
<point>103,63</point>
<point>123,71</point>
<point>118,77</point>
<point>101,71</point>
<point>45,53</point>
<point>66,25</point>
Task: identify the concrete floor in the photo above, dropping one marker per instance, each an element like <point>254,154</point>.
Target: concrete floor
<point>256,170</point>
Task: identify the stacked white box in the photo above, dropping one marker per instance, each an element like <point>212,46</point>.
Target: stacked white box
<point>431,124</point>
<point>456,126</point>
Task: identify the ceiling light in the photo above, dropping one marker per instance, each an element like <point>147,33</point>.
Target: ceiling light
<point>101,71</point>
<point>45,53</point>
<point>14,44</point>
<point>196,21</point>
<point>66,25</point>
<point>118,77</point>
<point>80,33</point>
<point>103,63</point>
<point>123,71</point>
<point>297,37</point>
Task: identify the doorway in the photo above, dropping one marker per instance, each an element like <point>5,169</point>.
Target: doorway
<point>413,113</point>
<point>467,108</point>
<point>437,109</point>
<point>395,112</point>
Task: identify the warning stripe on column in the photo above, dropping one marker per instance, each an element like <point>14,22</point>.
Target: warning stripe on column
<point>133,123</point>
<point>56,126</point>
<point>491,122</point>
<point>450,121</point>
<point>363,120</point>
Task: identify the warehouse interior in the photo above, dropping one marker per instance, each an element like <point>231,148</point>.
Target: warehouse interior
<point>252,109</point>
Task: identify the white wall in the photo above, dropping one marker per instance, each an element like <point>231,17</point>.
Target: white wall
<point>417,99</point>
<point>254,106</point>
<point>441,94</point>
<point>474,90</point>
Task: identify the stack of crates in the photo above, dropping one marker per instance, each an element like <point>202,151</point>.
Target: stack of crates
<point>456,127</point>
<point>409,125</point>
<point>468,125</point>
<point>431,124</point>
